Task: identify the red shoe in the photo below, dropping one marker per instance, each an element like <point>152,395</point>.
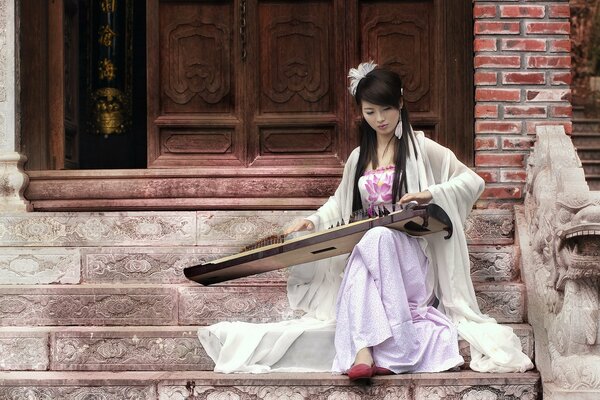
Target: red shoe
<point>383,371</point>
<point>361,371</point>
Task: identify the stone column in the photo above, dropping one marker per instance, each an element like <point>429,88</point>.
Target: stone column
<point>13,179</point>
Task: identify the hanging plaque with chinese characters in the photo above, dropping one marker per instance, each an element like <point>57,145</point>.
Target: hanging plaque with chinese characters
<point>109,81</point>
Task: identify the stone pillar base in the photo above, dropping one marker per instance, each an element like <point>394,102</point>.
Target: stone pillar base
<point>13,182</point>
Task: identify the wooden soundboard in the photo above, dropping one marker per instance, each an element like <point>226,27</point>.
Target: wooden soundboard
<point>416,221</point>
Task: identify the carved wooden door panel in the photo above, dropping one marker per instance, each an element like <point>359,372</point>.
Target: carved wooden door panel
<point>195,80</point>
<point>296,89</point>
<point>245,83</point>
<point>258,83</point>
<point>429,43</point>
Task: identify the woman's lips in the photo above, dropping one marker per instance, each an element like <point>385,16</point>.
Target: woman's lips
<point>382,126</point>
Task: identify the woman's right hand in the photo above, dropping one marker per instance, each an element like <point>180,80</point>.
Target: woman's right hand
<point>300,225</point>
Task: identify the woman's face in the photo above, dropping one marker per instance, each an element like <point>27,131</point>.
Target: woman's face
<point>383,119</point>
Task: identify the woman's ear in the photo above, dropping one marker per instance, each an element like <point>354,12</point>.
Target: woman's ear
<point>401,104</point>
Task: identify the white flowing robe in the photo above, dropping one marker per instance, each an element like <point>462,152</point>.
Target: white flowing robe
<point>304,345</point>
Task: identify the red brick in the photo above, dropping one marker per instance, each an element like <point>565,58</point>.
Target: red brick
<point>535,95</point>
<point>513,175</point>
<point>486,111</point>
<point>531,125</point>
<point>517,142</point>
<point>502,192</point>
<point>523,78</point>
<point>549,28</point>
<point>497,61</point>
<point>560,46</point>
<point>484,11</point>
<point>523,44</point>
<point>499,159</point>
<point>549,61</point>
<point>497,28</point>
<point>561,78</point>
<point>497,94</point>
<point>561,111</point>
<point>522,11</point>
<point>525,112</point>
<point>559,11</point>
<point>486,143</point>
<point>486,44</point>
<point>490,176</point>
<point>485,78</point>
<point>498,127</point>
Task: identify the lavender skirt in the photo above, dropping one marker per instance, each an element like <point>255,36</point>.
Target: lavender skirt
<point>382,304</point>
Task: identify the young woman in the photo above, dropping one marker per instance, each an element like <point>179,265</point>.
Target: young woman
<point>382,310</point>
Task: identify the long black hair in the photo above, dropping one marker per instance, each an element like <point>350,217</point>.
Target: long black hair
<point>383,88</point>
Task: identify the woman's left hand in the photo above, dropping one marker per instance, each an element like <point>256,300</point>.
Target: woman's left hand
<point>420,197</point>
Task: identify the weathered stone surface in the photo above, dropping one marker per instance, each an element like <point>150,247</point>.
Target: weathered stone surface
<point>160,265</point>
<point>240,228</point>
<point>116,349</point>
<point>160,348</point>
<point>98,229</point>
<point>292,392</point>
<point>23,350</point>
<point>559,235</point>
<point>493,227</point>
<point>451,386</point>
<point>477,392</point>
<point>208,305</point>
<point>504,302</point>
<point>181,385</point>
<point>493,263</point>
<point>91,305</point>
<point>28,266</point>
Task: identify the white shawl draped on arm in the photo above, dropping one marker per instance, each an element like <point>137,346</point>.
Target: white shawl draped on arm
<point>245,347</point>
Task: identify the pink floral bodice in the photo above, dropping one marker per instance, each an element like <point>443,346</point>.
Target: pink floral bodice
<point>375,186</point>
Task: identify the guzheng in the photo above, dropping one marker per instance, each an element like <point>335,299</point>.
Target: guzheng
<point>341,239</point>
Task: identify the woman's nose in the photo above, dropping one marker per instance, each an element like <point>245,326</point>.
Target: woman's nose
<point>380,117</point>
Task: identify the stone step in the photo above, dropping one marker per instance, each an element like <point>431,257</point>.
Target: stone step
<point>160,265</point>
<point>591,167</point>
<point>463,385</point>
<point>219,229</point>
<point>586,125</point>
<point>93,305</point>
<point>152,348</point>
<point>589,152</point>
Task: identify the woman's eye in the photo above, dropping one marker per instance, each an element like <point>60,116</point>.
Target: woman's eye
<point>369,112</point>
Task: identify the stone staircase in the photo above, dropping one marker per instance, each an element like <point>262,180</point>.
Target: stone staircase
<point>586,139</point>
<point>95,305</point>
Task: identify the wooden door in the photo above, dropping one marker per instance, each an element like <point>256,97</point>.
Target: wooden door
<point>261,83</point>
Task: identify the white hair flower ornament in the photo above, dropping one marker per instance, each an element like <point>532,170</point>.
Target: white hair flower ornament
<point>356,74</point>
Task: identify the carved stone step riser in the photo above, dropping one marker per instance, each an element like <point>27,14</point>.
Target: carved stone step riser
<point>169,229</point>
<point>143,349</point>
<point>154,386</point>
<point>593,169</point>
<point>197,305</point>
<point>134,265</point>
<point>593,154</point>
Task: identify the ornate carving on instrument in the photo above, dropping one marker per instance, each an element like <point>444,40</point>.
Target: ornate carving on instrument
<point>199,62</point>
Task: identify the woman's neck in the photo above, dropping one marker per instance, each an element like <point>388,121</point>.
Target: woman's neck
<point>385,150</point>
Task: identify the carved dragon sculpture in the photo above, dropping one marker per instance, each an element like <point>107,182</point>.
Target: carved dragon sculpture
<point>564,231</point>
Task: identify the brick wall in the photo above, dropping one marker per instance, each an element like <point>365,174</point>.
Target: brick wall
<point>522,78</point>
